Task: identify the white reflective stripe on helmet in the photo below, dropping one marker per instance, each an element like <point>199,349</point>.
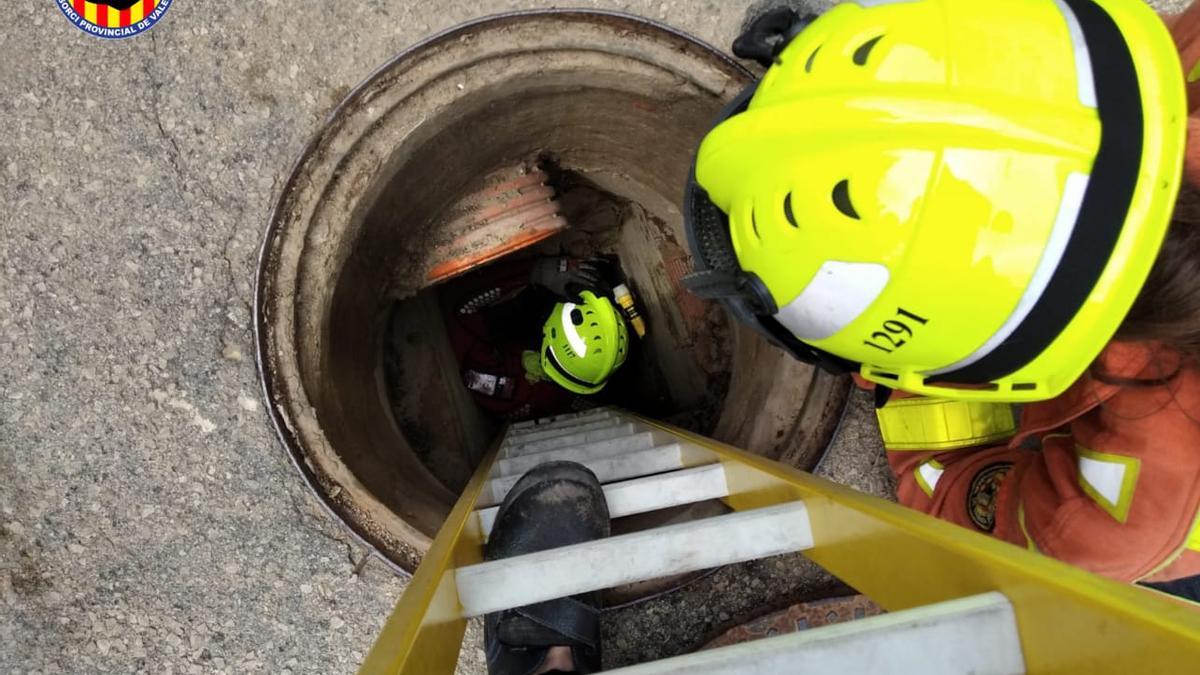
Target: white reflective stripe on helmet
<point>1083,61</point>
<point>1064,225</point>
<point>838,294</point>
<point>578,344</point>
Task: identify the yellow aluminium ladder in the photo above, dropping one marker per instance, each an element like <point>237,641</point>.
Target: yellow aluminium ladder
<point>957,601</point>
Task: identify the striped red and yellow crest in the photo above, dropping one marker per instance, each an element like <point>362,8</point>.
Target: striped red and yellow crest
<point>114,19</point>
<point>110,17</point>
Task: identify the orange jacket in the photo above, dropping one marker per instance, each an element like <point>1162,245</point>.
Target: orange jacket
<point>1105,477</point>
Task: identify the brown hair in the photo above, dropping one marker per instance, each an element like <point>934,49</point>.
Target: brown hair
<point>1167,310</point>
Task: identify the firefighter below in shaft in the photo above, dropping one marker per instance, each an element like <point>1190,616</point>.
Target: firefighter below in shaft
<point>516,371</point>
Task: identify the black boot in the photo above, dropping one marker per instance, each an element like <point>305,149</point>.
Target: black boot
<point>554,504</point>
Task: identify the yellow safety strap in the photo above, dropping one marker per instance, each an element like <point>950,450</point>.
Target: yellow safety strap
<point>1029,542</point>
<point>940,424</point>
<point>1193,539</point>
<point>1192,543</point>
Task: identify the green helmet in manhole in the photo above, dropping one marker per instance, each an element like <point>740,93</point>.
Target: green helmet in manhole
<point>583,343</point>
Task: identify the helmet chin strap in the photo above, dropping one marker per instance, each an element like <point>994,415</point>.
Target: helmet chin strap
<point>723,285</point>
<point>882,395</point>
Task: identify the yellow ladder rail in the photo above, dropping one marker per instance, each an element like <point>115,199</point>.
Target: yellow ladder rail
<point>425,630</point>
<point>1067,619</point>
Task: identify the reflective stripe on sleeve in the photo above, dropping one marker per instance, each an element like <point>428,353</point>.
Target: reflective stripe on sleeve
<point>1109,480</point>
<point>927,474</point>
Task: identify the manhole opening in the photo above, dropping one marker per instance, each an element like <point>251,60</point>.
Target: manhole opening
<point>678,372</point>
<point>361,377</point>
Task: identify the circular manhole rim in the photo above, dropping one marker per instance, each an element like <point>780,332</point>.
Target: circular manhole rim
<point>278,398</point>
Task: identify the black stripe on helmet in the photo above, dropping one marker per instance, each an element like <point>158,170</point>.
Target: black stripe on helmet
<point>1102,214</point>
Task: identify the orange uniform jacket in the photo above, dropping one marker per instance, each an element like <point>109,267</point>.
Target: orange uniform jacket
<point>1104,477</point>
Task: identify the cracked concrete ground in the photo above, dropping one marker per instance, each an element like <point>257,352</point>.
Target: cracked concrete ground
<point>148,520</point>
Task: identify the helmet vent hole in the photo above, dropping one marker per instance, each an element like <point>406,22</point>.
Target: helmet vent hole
<point>1024,386</point>
<point>577,317</point>
<point>864,51</point>
<point>553,333</point>
<point>787,210</point>
<point>841,199</point>
<point>808,65</point>
<point>754,223</point>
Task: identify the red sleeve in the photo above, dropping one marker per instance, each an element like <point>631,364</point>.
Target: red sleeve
<point>1116,491</point>
<point>939,482</point>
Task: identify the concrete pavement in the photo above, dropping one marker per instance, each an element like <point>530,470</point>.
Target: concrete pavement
<point>148,520</point>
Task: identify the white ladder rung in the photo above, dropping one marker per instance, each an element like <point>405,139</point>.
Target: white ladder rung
<point>976,634</point>
<point>533,432</point>
<point>560,430</point>
<point>606,430</point>
<point>557,419</point>
<point>650,493</point>
<point>581,453</point>
<point>607,469</point>
<point>664,551</point>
